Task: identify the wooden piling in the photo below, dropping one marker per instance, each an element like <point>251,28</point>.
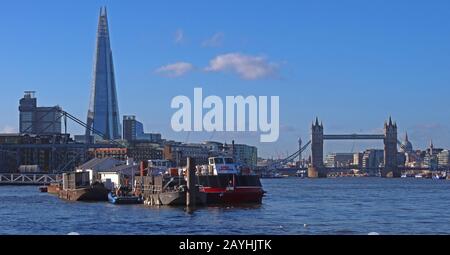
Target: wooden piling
<point>191,188</point>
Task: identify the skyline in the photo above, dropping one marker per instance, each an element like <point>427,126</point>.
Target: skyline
<point>394,52</point>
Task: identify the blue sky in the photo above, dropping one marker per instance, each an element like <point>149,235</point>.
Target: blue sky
<point>352,63</point>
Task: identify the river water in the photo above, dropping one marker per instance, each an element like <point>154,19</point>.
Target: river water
<point>291,206</point>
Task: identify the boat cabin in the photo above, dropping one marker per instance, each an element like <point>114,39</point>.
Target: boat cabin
<point>222,165</point>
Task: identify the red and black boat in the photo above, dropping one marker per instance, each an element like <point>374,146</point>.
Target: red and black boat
<point>225,183</point>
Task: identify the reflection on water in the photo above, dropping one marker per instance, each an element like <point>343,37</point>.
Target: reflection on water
<point>291,206</point>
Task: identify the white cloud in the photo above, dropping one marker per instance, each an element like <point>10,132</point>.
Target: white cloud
<point>215,41</point>
<point>175,70</point>
<point>8,129</point>
<point>179,36</point>
<point>247,67</point>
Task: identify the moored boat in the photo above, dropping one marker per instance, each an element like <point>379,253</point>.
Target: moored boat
<point>219,182</point>
<point>92,193</point>
<point>226,184</point>
<point>122,196</point>
<point>77,187</point>
<point>169,189</point>
<point>124,200</point>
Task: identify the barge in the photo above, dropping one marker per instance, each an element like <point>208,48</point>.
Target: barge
<point>220,182</point>
<point>170,190</point>
<point>77,187</point>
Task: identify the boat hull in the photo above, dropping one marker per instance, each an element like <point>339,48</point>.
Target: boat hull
<point>178,198</point>
<point>125,200</point>
<point>238,195</point>
<point>88,194</point>
<point>231,189</point>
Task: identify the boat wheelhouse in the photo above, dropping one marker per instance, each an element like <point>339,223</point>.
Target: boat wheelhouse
<point>222,165</point>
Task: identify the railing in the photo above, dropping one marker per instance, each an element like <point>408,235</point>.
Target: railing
<point>27,179</point>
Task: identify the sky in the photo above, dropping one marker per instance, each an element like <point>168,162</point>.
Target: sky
<point>352,63</point>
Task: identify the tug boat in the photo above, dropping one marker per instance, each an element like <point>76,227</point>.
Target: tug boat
<point>225,183</point>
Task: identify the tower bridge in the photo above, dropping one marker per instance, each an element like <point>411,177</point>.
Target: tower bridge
<point>389,137</point>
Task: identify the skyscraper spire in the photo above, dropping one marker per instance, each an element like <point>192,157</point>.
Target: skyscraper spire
<point>103,113</point>
<point>103,11</point>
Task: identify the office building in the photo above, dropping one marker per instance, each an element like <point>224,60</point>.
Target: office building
<point>444,158</point>
<point>133,130</point>
<point>372,158</point>
<point>177,153</point>
<point>117,153</point>
<point>339,160</point>
<point>357,160</point>
<point>38,120</point>
<point>103,113</point>
<point>245,154</point>
<point>142,150</point>
<point>51,153</point>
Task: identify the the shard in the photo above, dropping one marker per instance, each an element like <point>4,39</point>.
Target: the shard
<point>103,114</point>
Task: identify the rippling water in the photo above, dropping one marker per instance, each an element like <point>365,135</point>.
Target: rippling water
<point>291,206</point>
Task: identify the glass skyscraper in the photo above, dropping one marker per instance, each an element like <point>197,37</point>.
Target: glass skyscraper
<point>133,130</point>
<point>103,113</point>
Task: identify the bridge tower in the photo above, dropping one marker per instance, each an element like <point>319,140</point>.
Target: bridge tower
<point>390,150</point>
<point>316,169</point>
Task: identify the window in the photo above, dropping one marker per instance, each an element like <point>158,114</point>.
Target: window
<point>218,160</point>
<point>228,160</point>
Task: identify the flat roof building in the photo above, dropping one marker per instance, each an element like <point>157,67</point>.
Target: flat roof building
<point>38,120</point>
